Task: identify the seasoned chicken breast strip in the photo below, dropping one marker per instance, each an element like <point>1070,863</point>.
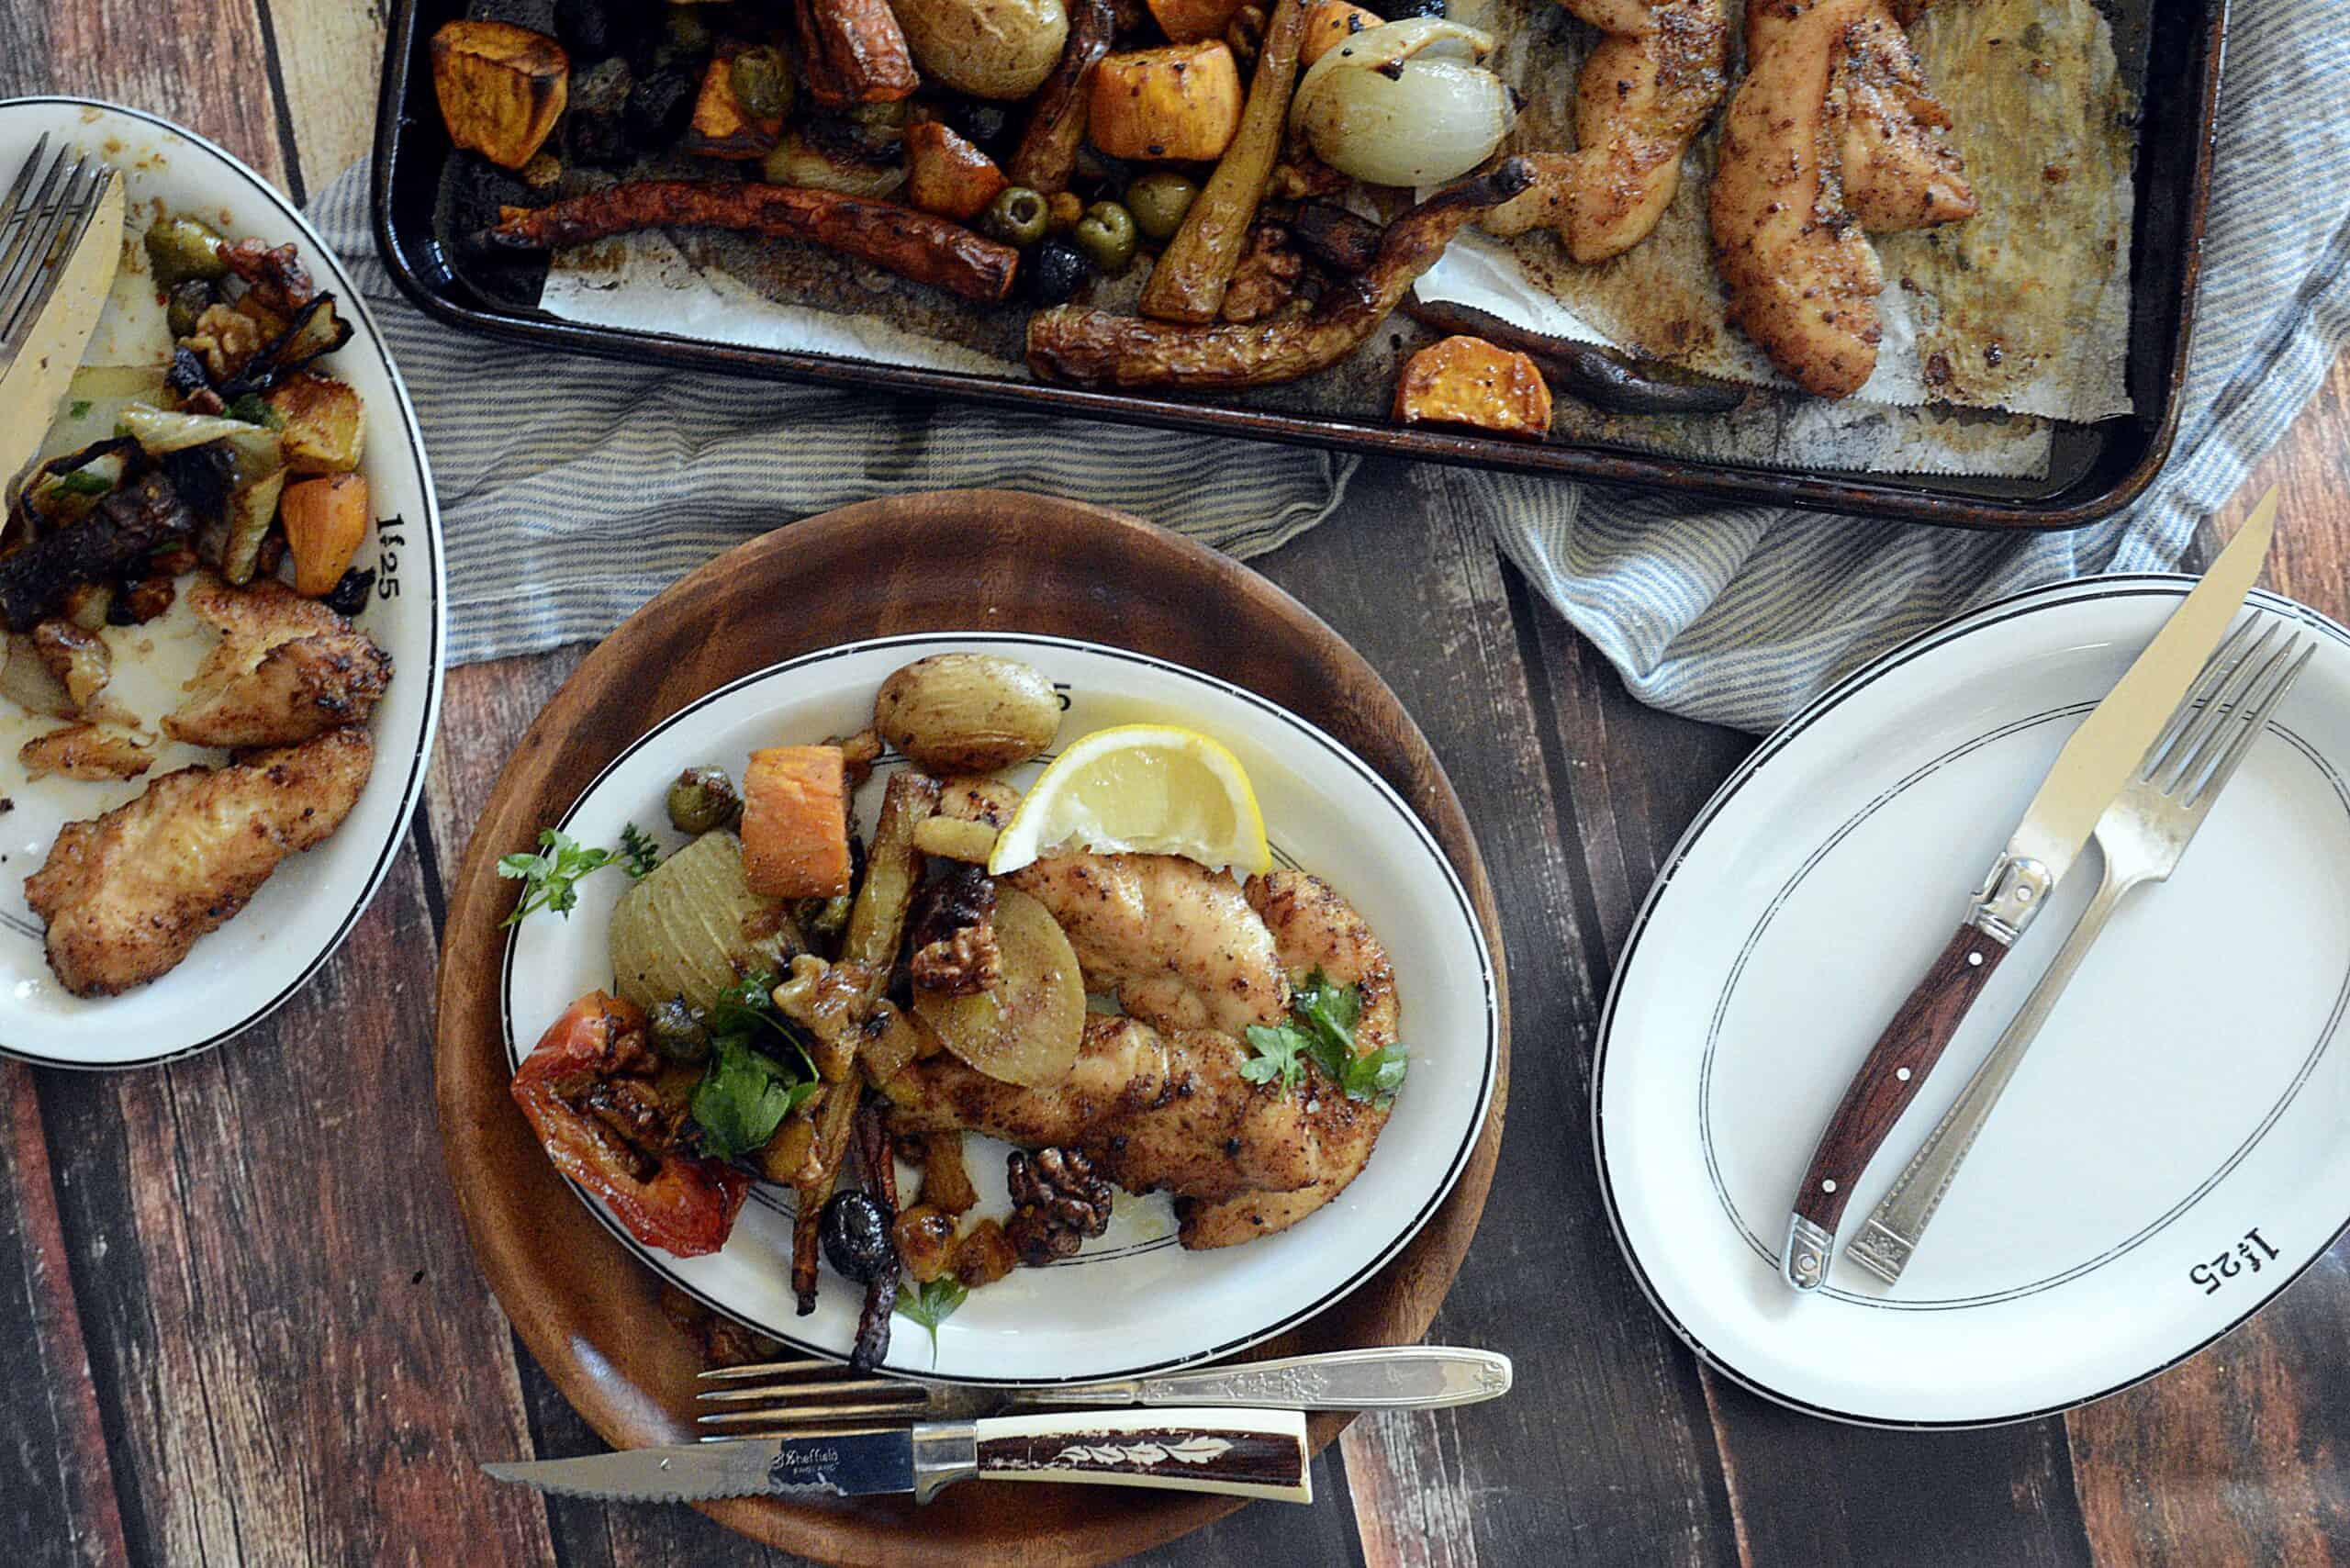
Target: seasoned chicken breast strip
<point>1829,83</point>
<point>1154,1111</point>
<point>1177,941</point>
<point>127,894</point>
<point>1647,88</point>
<point>285,669</point>
<point>1314,928</point>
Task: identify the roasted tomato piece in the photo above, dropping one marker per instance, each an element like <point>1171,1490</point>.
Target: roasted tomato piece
<point>588,1091</point>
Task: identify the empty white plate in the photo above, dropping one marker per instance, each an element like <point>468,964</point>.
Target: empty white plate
<point>2171,1153</point>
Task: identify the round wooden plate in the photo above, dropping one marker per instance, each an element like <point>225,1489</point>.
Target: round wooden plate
<point>961,560</point>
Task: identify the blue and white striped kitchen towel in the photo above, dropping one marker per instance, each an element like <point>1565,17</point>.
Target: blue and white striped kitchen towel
<point>573,490</point>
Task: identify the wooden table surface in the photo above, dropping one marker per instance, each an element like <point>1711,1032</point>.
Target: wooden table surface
<point>238,1322</point>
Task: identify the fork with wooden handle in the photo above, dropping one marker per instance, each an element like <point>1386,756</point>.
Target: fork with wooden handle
<point>2142,835</point>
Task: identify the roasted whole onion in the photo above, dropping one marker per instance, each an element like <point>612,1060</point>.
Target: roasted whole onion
<point>1404,103</point>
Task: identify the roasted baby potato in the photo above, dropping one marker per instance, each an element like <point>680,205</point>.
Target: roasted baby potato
<point>1191,21</point>
<point>968,713</point>
<point>1181,102</point>
<point>721,127</point>
<point>990,48</point>
<point>501,88</point>
<point>948,175</point>
<point>1025,1029</point>
<point>1467,381</point>
<point>321,431</point>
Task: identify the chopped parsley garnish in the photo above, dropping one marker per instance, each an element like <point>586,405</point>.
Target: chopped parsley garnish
<point>751,1084</point>
<point>81,482</point>
<point>550,878</point>
<point>1321,1030</point>
<point>641,853</point>
<point>78,409</point>
<point>933,1304</point>
<point>254,410</point>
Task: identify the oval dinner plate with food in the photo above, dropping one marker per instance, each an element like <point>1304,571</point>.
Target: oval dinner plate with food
<point>2167,1159</point>
<point>340,726</point>
<point>1126,625</point>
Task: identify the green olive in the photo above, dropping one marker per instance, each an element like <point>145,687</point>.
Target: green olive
<point>1159,202</point>
<point>762,82</point>
<point>685,33</point>
<point>189,300</point>
<point>676,1033</point>
<point>703,798</point>
<point>1018,216</point>
<point>1106,235</point>
<point>181,248</point>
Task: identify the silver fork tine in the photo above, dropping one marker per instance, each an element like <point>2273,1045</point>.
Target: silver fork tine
<point>809,1391</point>
<point>2215,670</point>
<point>809,1413</point>
<point>2206,736</point>
<point>2223,768</point>
<point>13,208</point>
<point>40,226</point>
<point>773,1370</point>
<point>74,213</point>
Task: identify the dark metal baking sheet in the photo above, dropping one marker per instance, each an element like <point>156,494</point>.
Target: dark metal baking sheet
<point>2170,53</point>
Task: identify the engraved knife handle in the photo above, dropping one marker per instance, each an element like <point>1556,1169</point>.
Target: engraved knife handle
<point>1397,1377</point>
<point>1890,1236</point>
<point>1888,1079</point>
<point>1236,1452</point>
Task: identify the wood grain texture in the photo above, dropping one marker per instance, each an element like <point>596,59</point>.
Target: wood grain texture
<point>1004,561</point>
<point>328,52</point>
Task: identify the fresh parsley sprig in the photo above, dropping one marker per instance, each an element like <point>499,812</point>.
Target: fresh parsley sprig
<point>1321,1030</point>
<point>933,1304</point>
<point>550,878</point>
<point>751,1085</point>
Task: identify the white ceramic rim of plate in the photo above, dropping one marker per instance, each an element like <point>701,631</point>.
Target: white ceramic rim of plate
<point>1467,909</point>
<point>2029,601</point>
<point>320,258</point>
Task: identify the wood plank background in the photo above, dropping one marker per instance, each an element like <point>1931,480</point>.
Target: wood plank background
<point>239,1323</point>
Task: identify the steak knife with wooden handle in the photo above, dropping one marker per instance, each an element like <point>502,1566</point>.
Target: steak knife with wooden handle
<point>2088,773</point>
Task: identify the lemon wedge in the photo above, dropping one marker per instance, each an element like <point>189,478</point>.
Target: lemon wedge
<point>1147,789</point>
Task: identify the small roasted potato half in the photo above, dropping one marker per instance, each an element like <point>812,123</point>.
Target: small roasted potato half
<point>968,713</point>
<point>989,49</point>
<point>501,88</point>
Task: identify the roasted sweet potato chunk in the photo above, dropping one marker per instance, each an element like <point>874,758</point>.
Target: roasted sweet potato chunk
<point>1182,103</point>
<point>501,88</point>
<point>948,175</point>
<point>721,129</point>
<point>1330,23</point>
<point>1467,381</point>
<point>321,432</point>
<point>1190,21</point>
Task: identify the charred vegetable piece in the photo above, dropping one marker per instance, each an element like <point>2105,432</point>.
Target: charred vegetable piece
<point>1018,216</point>
<point>585,28</point>
<point>761,79</point>
<point>1467,381</point>
<point>501,88</point>
<point>1159,201</point>
<point>317,418</point>
<point>585,1074</point>
<point>703,798</point>
<point>350,595</point>
<point>721,126</point>
<point>126,527</point>
<point>881,1191</point>
<point>676,1033</point>
<point>1181,102</point>
<point>659,107</point>
<point>1106,235</point>
<point>979,122</point>
<point>1192,273</point>
<point>1094,348</point>
<point>1336,238</point>
<point>854,52</point>
<point>179,249</point>
<point>188,300</point>
<point>1190,21</point>
<point>315,331</point>
<point>925,1237</point>
<point>1599,378</point>
<point>1048,148</point>
<point>912,244</point>
<point>948,175</point>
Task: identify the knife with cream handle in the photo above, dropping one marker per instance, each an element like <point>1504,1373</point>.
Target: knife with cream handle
<point>2095,764</point>
<point>35,382</point>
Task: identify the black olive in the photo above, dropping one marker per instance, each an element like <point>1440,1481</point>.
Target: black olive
<point>1054,271</point>
<point>350,595</point>
<point>585,29</point>
<point>596,141</point>
<point>659,105</point>
<point>1400,10</point>
<point>855,1233</point>
<point>976,121</point>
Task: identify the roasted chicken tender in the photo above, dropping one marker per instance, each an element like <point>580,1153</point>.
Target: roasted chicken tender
<point>127,894</point>
<point>1314,928</point>
<point>1154,1111</point>
<point>1177,941</point>
<point>87,751</point>
<point>1828,84</point>
<point>1646,89</point>
<point>287,668</point>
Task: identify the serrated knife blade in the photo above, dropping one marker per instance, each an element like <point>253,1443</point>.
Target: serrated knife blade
<point>851,1464</point>
<point>2097,761</point>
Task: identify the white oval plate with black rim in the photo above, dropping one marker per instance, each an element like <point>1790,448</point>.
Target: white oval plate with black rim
<point>240,973</point>
<point>1133,1300</point>
<point>2170,1155</point>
